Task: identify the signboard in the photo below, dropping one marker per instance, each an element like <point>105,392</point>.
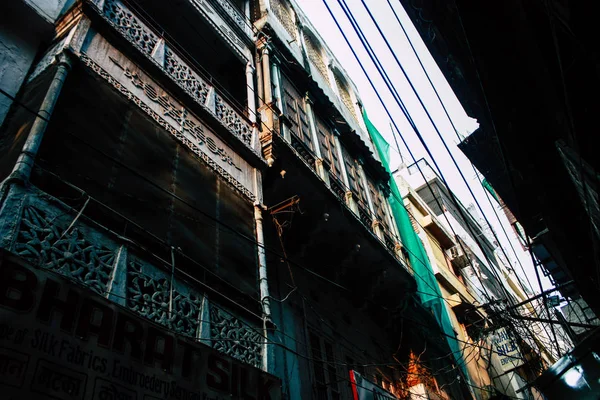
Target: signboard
<point>63,342</point>
<point>363,389</point>
<point>507,349</point>
<point>169,113</point>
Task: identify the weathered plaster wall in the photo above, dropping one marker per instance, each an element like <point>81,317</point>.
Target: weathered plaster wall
<point>18,47</point>
<point>48,9</point>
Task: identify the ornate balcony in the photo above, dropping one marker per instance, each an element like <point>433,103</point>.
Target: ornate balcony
<point>53,236</point>
<point>162,54</point>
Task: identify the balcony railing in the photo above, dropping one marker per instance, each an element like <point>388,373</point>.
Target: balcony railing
<point>53,236</point>
<point>164,55</point>
<point>236,15</point>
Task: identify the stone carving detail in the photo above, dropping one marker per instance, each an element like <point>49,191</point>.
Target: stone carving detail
<point>235,184</point>
<point>280,9</point>
<point>46,244</point>
<point>125,22</point>
<point>233,121</point>
<point>231,336</point>
<point>185,77</point>
<point>149,294</point>
<point>234,13</point>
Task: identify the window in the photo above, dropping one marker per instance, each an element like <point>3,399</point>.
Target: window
<point>379,203</point>
<point>328,148</point>
<point>315,54</point>
<point>324,368</point>
<point>345,94</point>
<point>354,178</point>
<point>293,104</point>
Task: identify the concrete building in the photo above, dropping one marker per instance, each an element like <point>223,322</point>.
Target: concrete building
<point>191,207</point>
<point>475,276</point>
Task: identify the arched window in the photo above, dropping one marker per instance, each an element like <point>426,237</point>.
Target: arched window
<point>345,94</point>
<point>315,54</point>
<point>285,14</point>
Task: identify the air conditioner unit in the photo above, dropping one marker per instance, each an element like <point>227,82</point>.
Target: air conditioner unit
<point>457,256</point>
<point>455,252</point>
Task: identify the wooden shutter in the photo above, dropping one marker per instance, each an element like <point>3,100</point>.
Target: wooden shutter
<point>328,148</point>
<point>326,378</point>
<point>295,111</point>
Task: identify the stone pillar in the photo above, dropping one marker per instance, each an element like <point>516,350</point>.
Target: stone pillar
<point>278,95</point>
<point>266,69</point>
<point>315,139</point>
<point>251,94</point>
<point>266,109</point>
<point>350,202</point>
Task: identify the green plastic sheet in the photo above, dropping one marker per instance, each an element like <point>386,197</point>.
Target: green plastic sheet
<point>427,286</point>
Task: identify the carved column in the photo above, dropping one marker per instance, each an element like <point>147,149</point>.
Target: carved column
<point>24,164</point>
<point>278,95</point>
<point>350,202</point>
<point>266,110</point>
<point>376,225</point>
<point>251,94</point>
<point>266,66</point>
<point>267,350</point>
<point>315,139</point>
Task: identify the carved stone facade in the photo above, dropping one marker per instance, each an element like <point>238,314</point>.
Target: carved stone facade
<point>52,236</point>
<point>65,251</point>
<point>158,297</point>
<point>235,338</point>
<point>144,39</point>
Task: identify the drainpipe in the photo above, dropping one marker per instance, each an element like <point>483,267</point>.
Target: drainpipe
<point>252,104</point>
<point>24,164</point>
<point>262,266</point>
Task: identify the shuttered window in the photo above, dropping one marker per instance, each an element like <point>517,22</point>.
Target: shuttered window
<point>324,368</point>
<point>379,203</point>
<point>328,148</point>
<point>294,109</point>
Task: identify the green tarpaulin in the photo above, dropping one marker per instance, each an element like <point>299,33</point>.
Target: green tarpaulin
<point>428,289</point>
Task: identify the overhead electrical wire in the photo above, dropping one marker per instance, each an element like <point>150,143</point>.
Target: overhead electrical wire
<point>467,343</point>
<point>388,83</point>
<point>398,101</point>
<point>458,135</point>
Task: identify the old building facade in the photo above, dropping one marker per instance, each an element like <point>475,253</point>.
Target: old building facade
<point>192,204</point>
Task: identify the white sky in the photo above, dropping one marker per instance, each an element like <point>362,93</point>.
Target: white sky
<point>325,26</point>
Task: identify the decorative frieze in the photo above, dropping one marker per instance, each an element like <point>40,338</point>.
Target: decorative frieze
<point>124,20</point>
<point>185,77</point>
<point>154,295</point>
<point>182,74</point>
<point>51,236</point>
<point>231,336</point>
<point>233,121</point>
<point>235,14</point>
<point>188,130</point>
<point>285,16</point>
<point>66,251</point>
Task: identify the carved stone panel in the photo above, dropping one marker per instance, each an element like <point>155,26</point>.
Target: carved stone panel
<point>49,244</point>
<point>161,298</point>
<point>233,337</point>
<point>172,115</point>
<point>124,20</point>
